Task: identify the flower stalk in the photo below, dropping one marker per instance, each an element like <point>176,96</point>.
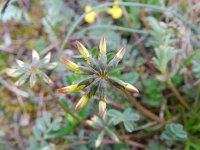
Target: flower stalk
<point>143,110</point>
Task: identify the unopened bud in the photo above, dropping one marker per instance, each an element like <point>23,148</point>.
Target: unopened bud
<point>70,65</point>
<point>102,107</point>
<point>121,53</point>
<point>131,88</point>
<point>82,102</point>
<point>102,45</point>
<point>84,52</point>
<point>68,89</point>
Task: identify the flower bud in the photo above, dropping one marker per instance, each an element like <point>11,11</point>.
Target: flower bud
<point>67,90</point>
<point>131,88</point>
<point>35,56</point>
<point>121,53</point>
<point>84,52</point>
<point>102,107</point>
<point>102,45</point>
<point>12,72</point>
<point>82,102</point>
<point>70,65</point>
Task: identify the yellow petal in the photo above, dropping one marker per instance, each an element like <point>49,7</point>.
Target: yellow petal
<point>90,17</point>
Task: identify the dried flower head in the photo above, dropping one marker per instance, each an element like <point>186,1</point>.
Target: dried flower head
<point>26,70</point>
<point>98,78</point>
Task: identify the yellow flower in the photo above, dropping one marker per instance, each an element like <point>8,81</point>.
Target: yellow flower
<point>90,17</point>
<point>115,12</point>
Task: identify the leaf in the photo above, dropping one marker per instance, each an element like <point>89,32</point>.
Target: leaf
<point>35,56</point>
<point>40,124</point>
<point>174,132</point>
<point>116,116</point>
<point>130,77</point>
<point>44,77</point>
<point>129,126</point>
<point>46,127</point>
<point>128,117</point>
<point>196,68</point>
<point>32,79</point>
<point>14,13</point>
<point>57,133</point>
<point>22,79</point>
<point>47,118</point>
<point>37,133</point>
<point>112,135</point>
<point>154,145</point>
<point>99,139</point>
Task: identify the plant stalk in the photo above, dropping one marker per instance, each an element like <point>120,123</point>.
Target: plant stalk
<point>175,91</point>
<point>73,115</point>
<point>144,110</point>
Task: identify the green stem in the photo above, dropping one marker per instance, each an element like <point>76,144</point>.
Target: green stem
<point>73,115</point>
<point>131,4</point>
<point>175,91</point>
<point>144,110</point>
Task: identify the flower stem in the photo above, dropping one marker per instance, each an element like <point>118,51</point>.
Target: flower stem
<point>175,91</point>
<point>144,110</point>
<point>72,114</point>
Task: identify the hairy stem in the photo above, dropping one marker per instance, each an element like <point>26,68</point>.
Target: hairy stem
<point>144,110</point>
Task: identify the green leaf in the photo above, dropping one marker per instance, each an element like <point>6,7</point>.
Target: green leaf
<point>130,77</point>
<point>129,126</point>
<point>112,135</point>
<point>174,132</point>
<point>128,117</point>
<point>37,133</point>
<point>99,139</point>
<point>57,133</point>
<point>154,145</point>
<point>41,124</point>
<point>47,118</point>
